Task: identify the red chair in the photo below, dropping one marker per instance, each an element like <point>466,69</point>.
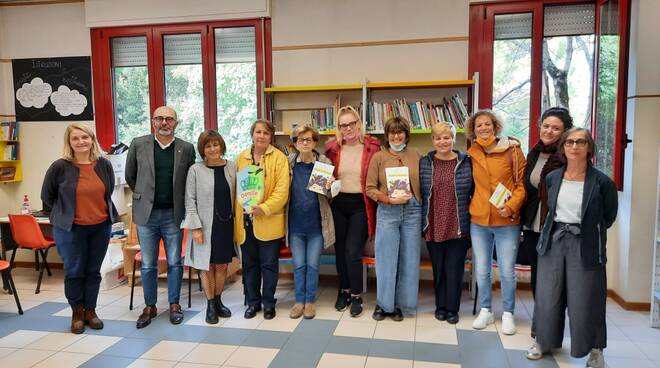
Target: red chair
<point>28,235</point>
<point>5,269</point>
<point>162,257</point>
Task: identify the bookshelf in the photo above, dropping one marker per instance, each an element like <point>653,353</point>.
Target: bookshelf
<point>288,106</point>
<point>11,170</point>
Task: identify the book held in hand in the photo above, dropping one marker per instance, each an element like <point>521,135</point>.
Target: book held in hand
<point>500,195</point>
<point>250,186</point>
<point>318,180</point>
<point>398,181</point>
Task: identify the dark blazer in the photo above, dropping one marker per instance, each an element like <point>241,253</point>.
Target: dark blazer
<point>599,208</point>
<point>141,177</point>
<point>58,191</point>
<point>463,184</point>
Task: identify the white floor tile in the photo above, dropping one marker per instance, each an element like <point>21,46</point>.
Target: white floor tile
<point>21,338</point>
<point>64,360</point>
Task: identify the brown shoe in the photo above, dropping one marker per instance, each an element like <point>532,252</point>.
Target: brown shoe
<point>310,311</point>
<point>93,320</point>
<point>148,313</point>
<point>78,320</point>
<point>176,315</point>
<point>297,310</point>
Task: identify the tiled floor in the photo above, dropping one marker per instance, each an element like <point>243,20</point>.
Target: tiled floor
<point>333,339</point>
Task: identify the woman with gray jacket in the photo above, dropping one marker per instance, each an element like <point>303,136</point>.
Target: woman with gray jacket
<point>210,189</point>
<point>310,226</point>
<point>446,185</point>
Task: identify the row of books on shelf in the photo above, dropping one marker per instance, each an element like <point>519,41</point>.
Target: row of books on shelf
<point>420,114</point>
<point>324,119</point>
<point>10,152</point>
<point>9,131</point>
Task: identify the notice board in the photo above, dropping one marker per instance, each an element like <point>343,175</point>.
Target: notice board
<point>53,89</point>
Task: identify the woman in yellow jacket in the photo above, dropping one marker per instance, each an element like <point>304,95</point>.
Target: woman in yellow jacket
<point>496,162</point>
<point>260,230</point>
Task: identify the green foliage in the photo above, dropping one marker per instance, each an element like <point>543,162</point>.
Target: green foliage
<point>606,106</point>
<point>131,96</point>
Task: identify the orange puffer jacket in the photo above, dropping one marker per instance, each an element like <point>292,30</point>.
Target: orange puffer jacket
<point>488,169</point>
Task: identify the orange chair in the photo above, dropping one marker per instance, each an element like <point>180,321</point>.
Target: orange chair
<point>162,257</point>
<point>5,269</point>
<point>28,235</point>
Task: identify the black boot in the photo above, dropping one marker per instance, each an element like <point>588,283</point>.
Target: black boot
<point>221,309</point>
<point>211,312</point>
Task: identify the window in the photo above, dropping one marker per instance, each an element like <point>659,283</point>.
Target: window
<point>532,55</point>
<point>210,73</point>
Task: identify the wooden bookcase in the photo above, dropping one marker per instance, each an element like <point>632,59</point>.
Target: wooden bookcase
<point>292,105</point>
<point>11,169</point>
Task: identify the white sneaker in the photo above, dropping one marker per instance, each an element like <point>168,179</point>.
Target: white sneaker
<point>508,324</point>
<point>534,352</point>
<point>484,319</point>
<point>596,359</point>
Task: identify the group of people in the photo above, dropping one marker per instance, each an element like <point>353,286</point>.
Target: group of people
<point>555,198</point>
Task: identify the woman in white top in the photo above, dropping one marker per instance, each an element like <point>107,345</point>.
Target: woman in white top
<point>582,205</point>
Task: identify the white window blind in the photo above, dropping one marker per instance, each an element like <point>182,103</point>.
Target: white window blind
<point>129,51</point>
<point>513,26</point>
<point>569,20</point>
<point>235,45</point>
<point>183,49</point>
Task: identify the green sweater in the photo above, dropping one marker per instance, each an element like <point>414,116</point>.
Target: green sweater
<point>164,171</point>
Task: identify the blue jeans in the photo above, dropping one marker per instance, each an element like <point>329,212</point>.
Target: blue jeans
<point>505,239</point>
<point>82,250</point>
<point>306,250</point>
<point>398,243</point>
<point>161,225</point>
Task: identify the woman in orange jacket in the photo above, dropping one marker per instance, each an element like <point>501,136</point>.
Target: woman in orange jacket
<point>498,165</point>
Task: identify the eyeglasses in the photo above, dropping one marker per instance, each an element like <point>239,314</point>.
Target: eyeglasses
<point>581,142</point>
<point>168,119</point>
<point>400,132</point>
<point>304,140</point>
<point>351,125</point>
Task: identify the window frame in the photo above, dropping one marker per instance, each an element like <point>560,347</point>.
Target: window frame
<point>102,67</point>
<point>480,59</point>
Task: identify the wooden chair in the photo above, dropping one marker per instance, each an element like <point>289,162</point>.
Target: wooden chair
<point>28,235</point>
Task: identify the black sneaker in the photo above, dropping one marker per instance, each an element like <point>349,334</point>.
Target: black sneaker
<point>397,315</point>
<point>452,318</point>
<point>379,313</point>
<point>343,300</point>
<point>356,306</point>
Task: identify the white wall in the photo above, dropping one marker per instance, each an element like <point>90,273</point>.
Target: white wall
<point>635,232</point>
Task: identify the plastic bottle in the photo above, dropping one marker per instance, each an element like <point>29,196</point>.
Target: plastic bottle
<point>25,207</point>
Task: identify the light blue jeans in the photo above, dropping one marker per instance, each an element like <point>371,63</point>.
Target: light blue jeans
<point>161,226</point>
<point>306,250</point>
<point>398,243</point>
<point>505,239</point>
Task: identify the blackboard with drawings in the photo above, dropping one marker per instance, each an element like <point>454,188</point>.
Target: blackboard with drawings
<point>53,89</point>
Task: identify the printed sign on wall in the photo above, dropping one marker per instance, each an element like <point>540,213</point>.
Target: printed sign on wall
<point>53,89</point>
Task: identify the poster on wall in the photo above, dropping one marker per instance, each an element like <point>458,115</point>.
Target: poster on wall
<point>53,89</point>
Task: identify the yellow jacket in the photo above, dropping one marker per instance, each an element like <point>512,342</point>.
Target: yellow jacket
<point>276,194</point>
<point>490,169</point>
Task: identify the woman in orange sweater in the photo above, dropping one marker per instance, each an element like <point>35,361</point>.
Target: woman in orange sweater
<point>495,161</point>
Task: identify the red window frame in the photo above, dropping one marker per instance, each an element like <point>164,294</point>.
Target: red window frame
<point>480,59</point>
<point>102,67</point>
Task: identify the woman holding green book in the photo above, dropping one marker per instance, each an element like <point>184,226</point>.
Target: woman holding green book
<point>259,229</point>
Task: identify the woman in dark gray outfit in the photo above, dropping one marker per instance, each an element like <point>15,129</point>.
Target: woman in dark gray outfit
<point>582,205</point>
<point>210,189</point>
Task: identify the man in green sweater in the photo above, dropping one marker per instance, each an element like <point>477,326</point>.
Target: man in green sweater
<point>156,170</point>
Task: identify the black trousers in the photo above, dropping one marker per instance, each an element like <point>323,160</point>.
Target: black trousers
<point>82,250</point>
<point>527,254</point>
<point>260,259</point>
<point>351,232</point>
<point>448,262</point>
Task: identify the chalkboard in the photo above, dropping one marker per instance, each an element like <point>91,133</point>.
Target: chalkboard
<point>53,89</point>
